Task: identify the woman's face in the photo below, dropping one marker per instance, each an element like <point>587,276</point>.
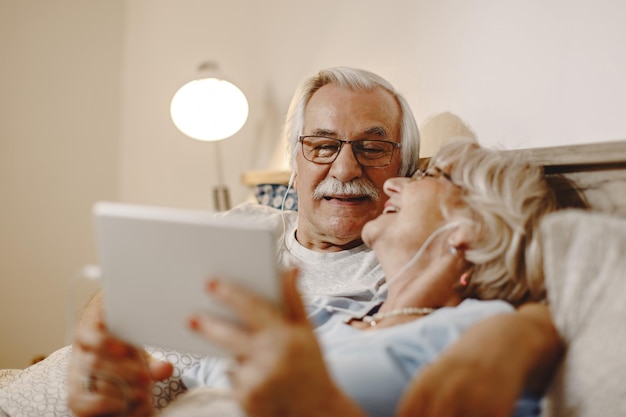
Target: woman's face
<point>412,213</point>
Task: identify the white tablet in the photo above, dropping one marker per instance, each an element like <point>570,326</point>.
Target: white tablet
<point>155,262</point>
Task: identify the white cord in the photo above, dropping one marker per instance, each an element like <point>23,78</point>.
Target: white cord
<point>283,242</point>
<point>428,241</point>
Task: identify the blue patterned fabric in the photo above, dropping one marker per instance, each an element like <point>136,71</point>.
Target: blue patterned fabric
<point>272,195</point>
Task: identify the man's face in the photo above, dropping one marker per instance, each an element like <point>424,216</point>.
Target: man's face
<point>333,223</point>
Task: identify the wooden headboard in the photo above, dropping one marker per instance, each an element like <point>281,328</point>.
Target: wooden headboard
<point>597,169</point>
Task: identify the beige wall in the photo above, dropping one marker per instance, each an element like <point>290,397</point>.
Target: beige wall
<point>59,141</point>
<point>86,87</point>
<point>519,74</point>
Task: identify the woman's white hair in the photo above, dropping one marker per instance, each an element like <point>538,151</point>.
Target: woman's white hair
<point>356,80</point>
<point>507,197</point>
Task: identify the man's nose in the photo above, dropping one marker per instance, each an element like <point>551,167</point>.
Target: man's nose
<point>346,167</point>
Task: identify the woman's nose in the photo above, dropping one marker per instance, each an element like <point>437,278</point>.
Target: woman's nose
<point>394,185</point>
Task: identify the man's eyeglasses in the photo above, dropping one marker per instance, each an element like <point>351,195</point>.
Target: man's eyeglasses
<point>368,153</point>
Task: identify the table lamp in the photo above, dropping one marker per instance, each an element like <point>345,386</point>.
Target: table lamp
<point>210,109</point>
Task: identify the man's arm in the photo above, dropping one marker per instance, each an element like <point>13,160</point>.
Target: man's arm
<point>120,374</point>
<point>544,346</point>
<point>485,371</point>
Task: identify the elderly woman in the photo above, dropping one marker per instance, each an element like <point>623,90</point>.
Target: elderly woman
<point>458,243</point>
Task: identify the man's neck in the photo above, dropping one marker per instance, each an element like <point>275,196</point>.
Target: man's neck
<point>323,244</point>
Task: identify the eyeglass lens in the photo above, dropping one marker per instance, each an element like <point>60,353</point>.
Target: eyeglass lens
<point>370,153</point>
<point>434,172</point>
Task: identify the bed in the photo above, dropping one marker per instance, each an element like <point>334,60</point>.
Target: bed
<point>585,260</point>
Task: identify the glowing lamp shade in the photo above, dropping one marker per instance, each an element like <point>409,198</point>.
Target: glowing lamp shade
<point>209,109</point>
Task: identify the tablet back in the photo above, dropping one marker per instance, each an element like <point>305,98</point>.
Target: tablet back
<point>155,262</point>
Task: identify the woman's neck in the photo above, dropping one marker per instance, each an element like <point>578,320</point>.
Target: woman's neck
<point>427,283</point>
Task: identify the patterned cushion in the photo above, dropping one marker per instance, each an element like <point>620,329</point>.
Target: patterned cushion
<point>40,389</point>
<point>273,194</point>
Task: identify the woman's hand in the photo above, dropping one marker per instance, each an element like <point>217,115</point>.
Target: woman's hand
<point>109,377</point>
<point>280,369</point>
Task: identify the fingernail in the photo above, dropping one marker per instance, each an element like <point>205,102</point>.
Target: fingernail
<point>193,323</point>
<point>212,285</point>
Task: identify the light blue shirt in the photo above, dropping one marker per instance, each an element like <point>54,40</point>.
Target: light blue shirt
<point>374,367</point>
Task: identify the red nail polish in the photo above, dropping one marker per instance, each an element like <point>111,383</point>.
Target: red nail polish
<point>211,285</point>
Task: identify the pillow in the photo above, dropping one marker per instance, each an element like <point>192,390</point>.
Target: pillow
<point>585,269</point>
<point>40,389</point>
<point>7,375</point>
<point>273,195</point>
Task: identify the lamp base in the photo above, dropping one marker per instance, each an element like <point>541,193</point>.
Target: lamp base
<point>221,198</point>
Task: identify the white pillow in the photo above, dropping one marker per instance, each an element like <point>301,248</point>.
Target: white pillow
<point>585,266</point>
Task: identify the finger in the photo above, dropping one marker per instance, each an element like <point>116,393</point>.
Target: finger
<point>101,394</point>
<point>128,373</point>
<point>133,370</point>
<point>253,311</point>
<point>99,340</point>
<point>294,307</point>
<point>226,334</point>
<point>159,369</point>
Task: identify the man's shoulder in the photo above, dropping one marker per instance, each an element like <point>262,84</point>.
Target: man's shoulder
<point>255,212</point>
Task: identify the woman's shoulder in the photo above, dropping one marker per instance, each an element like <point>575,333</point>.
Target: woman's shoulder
<point>321,309</point>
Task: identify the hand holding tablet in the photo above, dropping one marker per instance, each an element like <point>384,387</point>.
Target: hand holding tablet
<point>156,261</point>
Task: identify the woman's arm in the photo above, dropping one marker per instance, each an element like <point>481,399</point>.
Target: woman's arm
<point>482,374</point>
<point>485,371</point>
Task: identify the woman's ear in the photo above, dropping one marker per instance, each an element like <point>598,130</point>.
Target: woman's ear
<point>463,237</point>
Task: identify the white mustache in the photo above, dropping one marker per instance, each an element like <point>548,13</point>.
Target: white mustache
<point>358,187</point>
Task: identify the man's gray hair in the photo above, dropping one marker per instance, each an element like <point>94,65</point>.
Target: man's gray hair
<point>356,80</point>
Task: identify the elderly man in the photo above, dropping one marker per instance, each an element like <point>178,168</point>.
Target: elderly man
<point>348,131</point>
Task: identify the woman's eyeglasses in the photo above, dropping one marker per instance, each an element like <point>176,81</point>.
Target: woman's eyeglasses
<point>433,172</point>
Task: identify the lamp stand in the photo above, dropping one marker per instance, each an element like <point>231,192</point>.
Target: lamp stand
<point>221,196</point>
